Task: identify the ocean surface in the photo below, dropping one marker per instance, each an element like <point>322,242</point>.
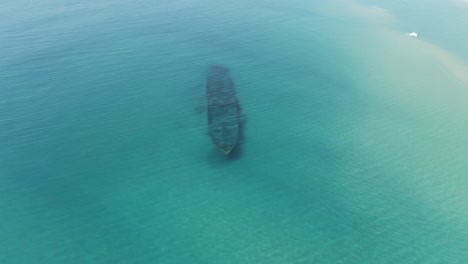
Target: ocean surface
<point>356,141</point>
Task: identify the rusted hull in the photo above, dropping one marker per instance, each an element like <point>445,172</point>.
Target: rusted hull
<point>224,112</point>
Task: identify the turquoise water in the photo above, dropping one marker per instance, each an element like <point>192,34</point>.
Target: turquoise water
<point>356,141</point>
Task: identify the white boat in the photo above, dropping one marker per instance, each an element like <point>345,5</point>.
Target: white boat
<point>412,34</point>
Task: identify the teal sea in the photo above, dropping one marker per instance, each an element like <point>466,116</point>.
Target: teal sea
<point>356,141</point>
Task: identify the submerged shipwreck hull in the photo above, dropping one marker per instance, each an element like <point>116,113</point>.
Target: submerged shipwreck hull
<point>224,111</point>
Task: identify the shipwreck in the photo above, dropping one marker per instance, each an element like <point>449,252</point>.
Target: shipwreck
<point>225,120</point>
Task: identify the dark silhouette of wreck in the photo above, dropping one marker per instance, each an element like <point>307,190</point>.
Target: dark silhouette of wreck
<point>225,120</point>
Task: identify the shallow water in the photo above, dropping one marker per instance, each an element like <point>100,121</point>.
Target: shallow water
<point>355,148</point>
